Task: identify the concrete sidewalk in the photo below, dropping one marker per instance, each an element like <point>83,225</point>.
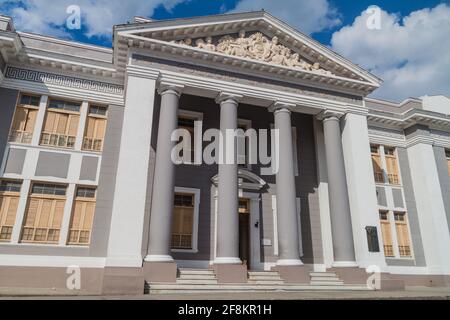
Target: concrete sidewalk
<point>419,293</point>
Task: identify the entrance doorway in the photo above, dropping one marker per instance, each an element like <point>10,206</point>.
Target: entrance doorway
<point>244,232</point>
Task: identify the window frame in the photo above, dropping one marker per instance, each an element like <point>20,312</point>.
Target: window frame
<point>92,200</point>
<point>9,194</point>
<point>86,121</point>
<point>27,108</point>
<point>43,196</point>
<point>196,193</point>
<point>383,161</point>
<point>394,235</point>
<point>196,116</point>
<point>58,112</point>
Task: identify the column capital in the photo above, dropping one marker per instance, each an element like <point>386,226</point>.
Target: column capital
<point>169,87</point>
<point>282,106</point>
<point>330,115</point>
<point>142,72</point>
<point>228,96</point>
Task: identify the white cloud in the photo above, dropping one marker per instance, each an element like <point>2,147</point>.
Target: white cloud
<point>306,15</point>
<point>98,17</point>
<point>411,54</point>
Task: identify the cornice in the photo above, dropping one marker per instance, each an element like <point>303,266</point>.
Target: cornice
<point>141,72</point>
<point>176,52</point>
<point>410,118</point>
<point>251,21</point>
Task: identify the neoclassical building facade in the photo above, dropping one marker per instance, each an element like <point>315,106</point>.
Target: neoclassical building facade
<point>89,188</point>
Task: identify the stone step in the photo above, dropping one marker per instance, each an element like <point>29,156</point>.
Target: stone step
<point>198,276</point>
<point>323,274</point>
<point>195,288</point>
<point>266,282</point>
<point>325,279</point>
<point>196,271</point>
<point>266,273</point>
<point>197,281</point>
<point>264,277</point>
<point>327,283</point>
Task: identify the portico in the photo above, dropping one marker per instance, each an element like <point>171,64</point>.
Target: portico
<point>297,87</point>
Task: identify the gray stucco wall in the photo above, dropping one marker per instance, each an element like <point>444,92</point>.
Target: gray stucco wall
<point>444,178</point>
<point>199,177</point>
<point>15,161</point>
<point>89,167</point>
<point>107,182</point>
<point>8,99</point>
<point>51,164</point>
<point>398,198</point>
<point>381,196</point>
<point>413,218</point>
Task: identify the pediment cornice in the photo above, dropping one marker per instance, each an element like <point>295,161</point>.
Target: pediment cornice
<point>249,42</point>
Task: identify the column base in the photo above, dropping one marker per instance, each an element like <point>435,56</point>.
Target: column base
<point>289,262</point>
<point>230,273</point>
<point>123,281</point>
<point>298,274</point>
<point>158,258</point>
<point>345,264</point>
<point>227,260</point>
<point>160,271</point>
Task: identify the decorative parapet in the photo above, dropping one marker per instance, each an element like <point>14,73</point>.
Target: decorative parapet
<point>61,80</point>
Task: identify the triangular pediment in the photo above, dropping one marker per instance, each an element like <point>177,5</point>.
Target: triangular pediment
<point>254,40</point>
<point>255,46</point>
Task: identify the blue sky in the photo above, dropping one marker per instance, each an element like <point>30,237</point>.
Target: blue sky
<point>410,50</point>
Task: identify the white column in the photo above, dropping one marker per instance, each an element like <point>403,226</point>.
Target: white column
<point>39,121</point>
<point>361,187</point>
<point>81,125</point>
<point>24,191</point>
<point>65,224</point>
<point>125,239</point>
<point>430,207</point>
<point>161,216</point>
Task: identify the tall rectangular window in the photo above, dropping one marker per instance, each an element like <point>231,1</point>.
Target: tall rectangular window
<point>386,234</point>
<point>183,221</point>
<point>376,162</point>
<point>61,124</point>
<point>45,209</point>
<point>95,129</point>
<point>188,123</point>
<point>24,119</point>
<point>9,201</point>
<point>391,165</point>
<point>82,216</point>
<point>401,228</point>
<point>447,154</point>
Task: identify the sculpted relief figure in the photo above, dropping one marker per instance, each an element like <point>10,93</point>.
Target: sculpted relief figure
<point>257,47</point>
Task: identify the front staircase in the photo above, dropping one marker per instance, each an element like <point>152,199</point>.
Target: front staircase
<point>325,279</point>
<point>205,280</point>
